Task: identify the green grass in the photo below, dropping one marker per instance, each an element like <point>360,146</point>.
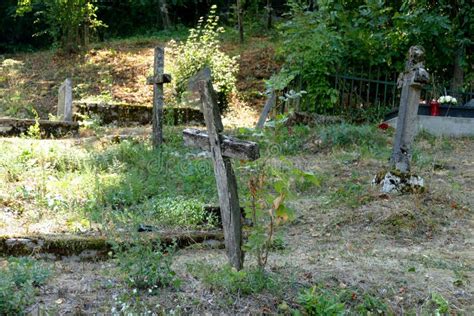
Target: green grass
<point>146,265</point>
<point>132,183</point>
<point>319,300</point>
<point>347,135</point>
<point>19,279</point>
<point>228,280</point>
<point>352,193</point>
<point>49,178</point>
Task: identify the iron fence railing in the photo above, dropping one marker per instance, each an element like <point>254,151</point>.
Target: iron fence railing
<point>378,89</point>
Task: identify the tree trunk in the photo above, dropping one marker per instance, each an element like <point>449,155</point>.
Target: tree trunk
<point>165,18</point>
<point>240,21</point>
<point>269,14</point>
<point>458,74</point>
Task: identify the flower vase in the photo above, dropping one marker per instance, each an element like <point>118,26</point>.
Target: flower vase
<point>434,108</point>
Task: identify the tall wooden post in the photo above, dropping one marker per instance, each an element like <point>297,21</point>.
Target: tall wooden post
<point>222,148</point>
<point>269,14</point>
<point>158,79</point>
<point>226,182</point>
<point>240,20</point>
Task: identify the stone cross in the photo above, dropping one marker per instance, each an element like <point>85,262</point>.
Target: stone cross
<point>65,101</point>
<point>157,80</point>
<point>222,148</point>
<point>411,82</point>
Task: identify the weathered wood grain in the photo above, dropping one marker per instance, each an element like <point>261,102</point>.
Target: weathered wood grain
<point>231,147</point>
<point>225,178</point>
<point>157,119</point>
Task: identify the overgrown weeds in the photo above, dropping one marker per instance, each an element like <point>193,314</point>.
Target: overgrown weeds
<point>344,135</point>
<point>202,49</point>
<point>230,281</point>
<point>146,265</point>
<point>54,179</point>
<point>334,302</point>
<point>19,278</point>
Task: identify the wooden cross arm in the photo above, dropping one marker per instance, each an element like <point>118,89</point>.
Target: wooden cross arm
<point>159,79</point>
<point>231,147</point>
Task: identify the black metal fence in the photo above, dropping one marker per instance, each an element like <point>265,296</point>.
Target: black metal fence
<point>376,90</point>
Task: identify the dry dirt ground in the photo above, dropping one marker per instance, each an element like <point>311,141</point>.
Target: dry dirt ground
<point>400,248</point>
<point>115,72</point>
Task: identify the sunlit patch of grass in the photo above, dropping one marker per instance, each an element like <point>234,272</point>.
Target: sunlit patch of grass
<point>70,183</point>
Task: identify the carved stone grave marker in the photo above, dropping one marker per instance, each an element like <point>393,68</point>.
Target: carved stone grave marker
<point>222,148</point>
<point>411,81</point>
<point>157,80</point>
<point>65,101</point>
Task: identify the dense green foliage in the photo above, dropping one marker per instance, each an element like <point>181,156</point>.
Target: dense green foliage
<point>32,24</point>
<point>202,49</point>
<point>343,34</point>
<point>68,22</point>
<point>229,280</point>
<point>317,39</point>
<point>145,266</point>
<point>179,211</point>
<point>18,279</point>
<point>321,301</point>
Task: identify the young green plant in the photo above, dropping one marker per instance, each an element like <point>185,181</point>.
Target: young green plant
<point>269,191</point>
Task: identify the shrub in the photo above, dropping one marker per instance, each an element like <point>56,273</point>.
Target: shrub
<point>344,135</point>
<point>146,265</point>
<point>310,60</point>
<point>18,280</point>
<point>247,281</point>
<point>65,21</point>
<point>181,211</point>
<point>202,49</point>
<point>334,302</point>
<point>323,303</point>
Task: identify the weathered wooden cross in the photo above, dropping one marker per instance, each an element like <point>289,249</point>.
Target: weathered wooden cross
<point>65,101</point>
<point>411,81</point>
<point>157,80</point>
<point>222,148</point>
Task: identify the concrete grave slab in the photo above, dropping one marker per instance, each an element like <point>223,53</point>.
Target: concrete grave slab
<point>442,125</point>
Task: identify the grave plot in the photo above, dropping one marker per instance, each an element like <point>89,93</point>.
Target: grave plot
<point>443,120</point>
<point>394,250</point>
<point>16,127</point>
<point>94,211</point>
<point>457,121</point>
<point>130,114</point>
<point>62,127</point>
<point>56,204</point>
